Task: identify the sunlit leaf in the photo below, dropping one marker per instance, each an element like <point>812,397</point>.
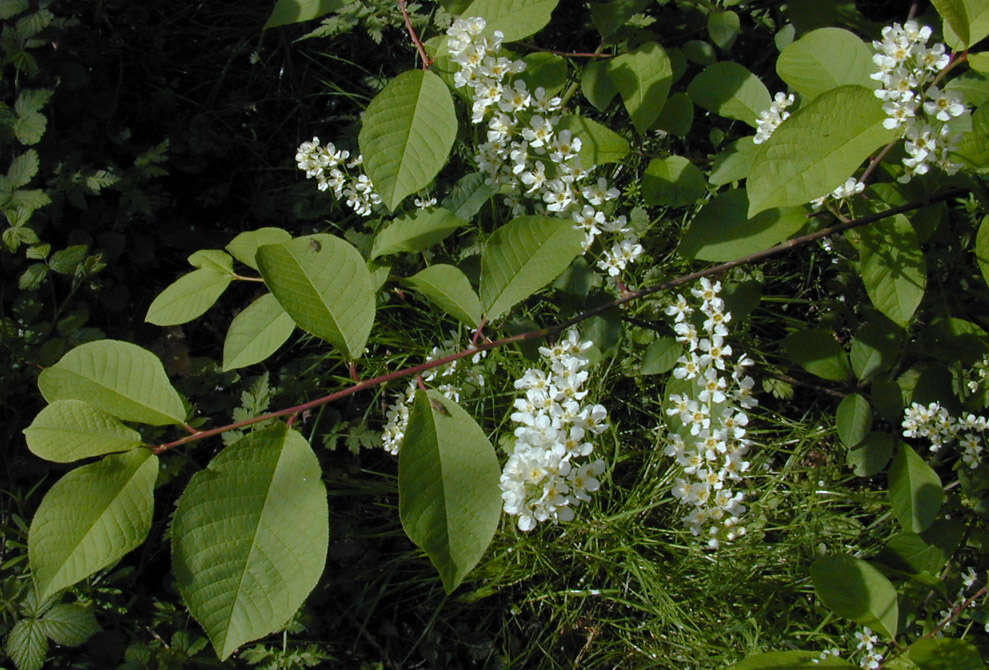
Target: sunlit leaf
<point>514,18</point>
<point>90,518</point>
<point>729,89</point>
<point>824,59</point>
<point>256,333</point>
<point>914,490</point>
<point>250,535</point>
<point>449,289</point>
<point>855,590</point>
<point>68,430</point>
<point>643,76</point>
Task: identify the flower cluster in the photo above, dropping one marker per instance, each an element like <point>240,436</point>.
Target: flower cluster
<point>851,187</point>
<point>933,422</point>
<point>771,118</point>
<point>906,68</point>
<point>867,640</point>
<point>324,163</point>
<point>708,422</point>
<point>527,156</point>
<point>547,473</point>
<point>397,414</point>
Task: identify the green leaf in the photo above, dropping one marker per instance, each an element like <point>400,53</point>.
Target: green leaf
<point>817,148</point>
<point>468,196</point>
<point>910,553</point>
<point>824,59</point>
<point>817,352</point>
<point>734,163</point>
<point>416,232</point>
<point>677,116</point>
<point>30,127</point>
<point>22,169</point>
<point>643,77</point>
<point>723,28</point>
<point>730,90</point>
<point>871,455</point>
<point>721,232</point>
<point>892,267</point>
<point>853,419</point>
<point>449,289</point>
<point>32,277</point>
<point>597,85</point>
<point>608,17</point>
<point>982,248</point>
<point>979,61</point>
<point>855,590</point>
<point>69,625</point>
<point>217,260</point>
<point>324,285</point>
<point>599,144</point>
<point>448,476</point>
<point>945,654</point>
<point>11,8</point>
<point>514,18</point>
<point>661,356</point>
<point>523,256</point>
<point>546,70</point>
<point>65,261</point>
<point>295,11</point>
<point>245,246</point>
<point>90,518</point>
<point>914,490</point>
<point>256,333</point>
<point>874,348</point>
<point>188,297</point>
<point>118,377</point>
<point>27,645</point>
<point>406,134</point>
<point>672,182</point>
<point>249,537</point>
<point>965,21</point>
<point>68,430</point>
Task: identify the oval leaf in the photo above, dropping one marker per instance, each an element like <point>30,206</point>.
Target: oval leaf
<point>90,518</point>
<point>722,232</point>
<point>249,537</point>
<point>944,653</point>
<point>188,297</point>
<point>69,625</point>
<point>598,143</point>
<point>27,645</point>
<point>643,77</point>
<point>68,430</point>
<point>514,18</point>
<point>245,246</point>
<point>730,90</point>
<point>853,589</point>
<point>448,477</point>
<point>817,148</point>
<point>824,59</point>
<point>892,267</point>
<point>450,290</point>
<point>324,285</point>
<point>416,232</point>
<point>672,182</point>
<point>294,11</point>
<point>117,377</point>
<point>817,352</point>
<point>853,419</point>
<point>871,456</point>
<point>523,256</point>
<point>406,134</point>
<point>915,490</point>
<point>256,333</point>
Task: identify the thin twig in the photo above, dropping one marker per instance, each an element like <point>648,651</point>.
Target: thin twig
<point>415,37</point>
<point>549,330</point>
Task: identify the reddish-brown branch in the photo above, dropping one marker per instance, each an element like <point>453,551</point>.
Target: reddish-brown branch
<point>549,330</point>
<point>415,37</point>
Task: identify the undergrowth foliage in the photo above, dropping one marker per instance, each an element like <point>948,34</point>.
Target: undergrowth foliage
<point>527,199</point>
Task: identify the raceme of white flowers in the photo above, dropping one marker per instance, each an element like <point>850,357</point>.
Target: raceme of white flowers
<point>324,163</point>
<point>710,443</point>
<point>549,471</point>
<point>934,423</point>
<point>526,155</point>
<point>906,68</point>
<point>851,187</point>
<point>397,414</point>
<point>771,118</point>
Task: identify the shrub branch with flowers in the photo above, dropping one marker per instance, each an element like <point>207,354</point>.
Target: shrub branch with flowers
<point>482,183</point>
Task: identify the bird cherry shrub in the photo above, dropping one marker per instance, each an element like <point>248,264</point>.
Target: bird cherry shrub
<point>489,184</point>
